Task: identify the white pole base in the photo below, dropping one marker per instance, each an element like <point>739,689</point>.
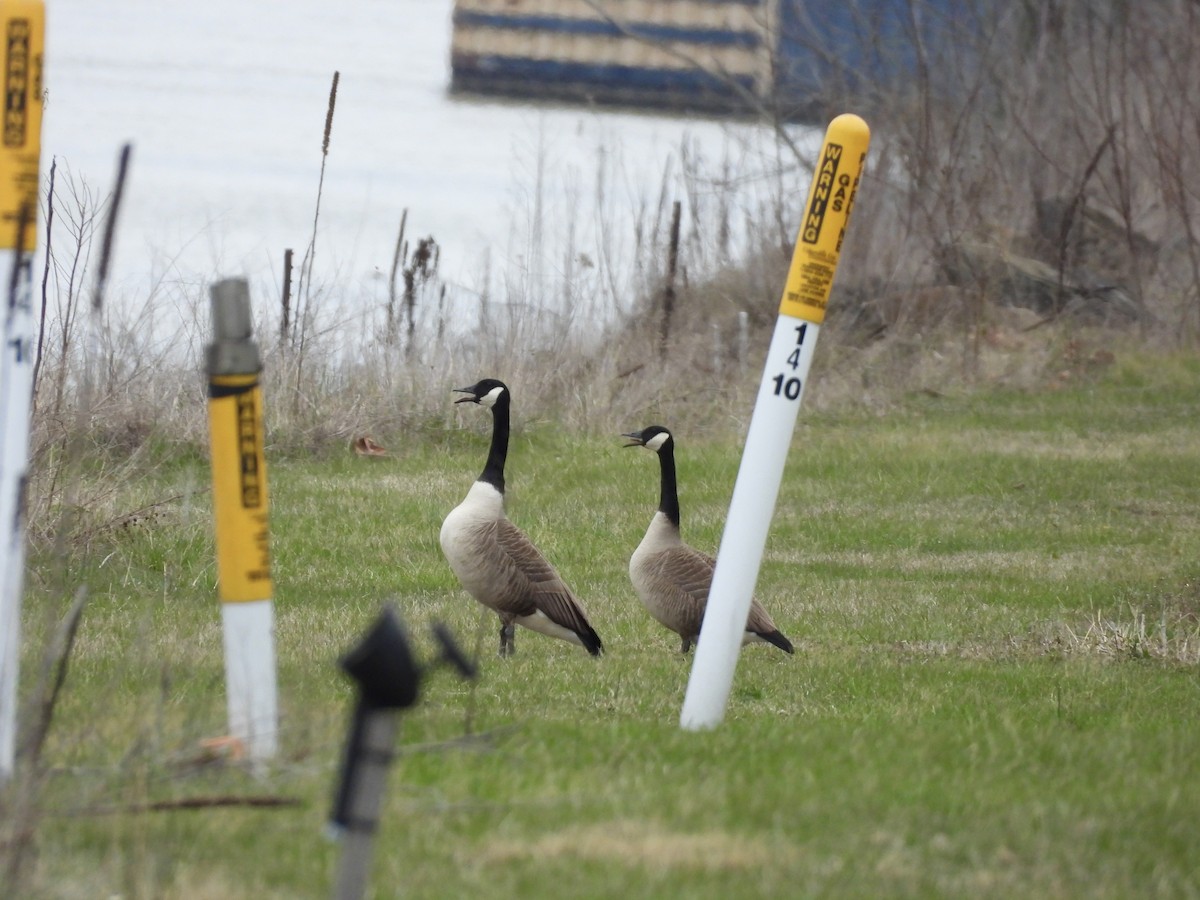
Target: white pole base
<point>10,650</point>
<point>250,676</point>
<point>16,390</point>
<point>745,536</point>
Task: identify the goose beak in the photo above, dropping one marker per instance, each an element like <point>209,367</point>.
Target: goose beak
<point>471,399</point>
<point>635,439</point>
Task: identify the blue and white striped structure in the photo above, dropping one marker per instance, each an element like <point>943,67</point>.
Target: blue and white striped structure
<point>789,56</point>
<point>698,54</point>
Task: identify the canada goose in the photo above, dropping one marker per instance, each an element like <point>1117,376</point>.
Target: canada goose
<point>672,578</point>
<point>495,561</point>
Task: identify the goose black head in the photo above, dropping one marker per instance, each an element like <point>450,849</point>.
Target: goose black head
<point>485,392</point>
<point>653,438</point>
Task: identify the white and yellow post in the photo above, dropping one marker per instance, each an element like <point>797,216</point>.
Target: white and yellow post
<point>239,473</point>
<point>801,312</point>
<point>24,29</point>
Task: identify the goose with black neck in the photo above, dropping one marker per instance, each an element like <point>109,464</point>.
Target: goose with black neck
<point>495,561</point>
<point>673,579</point>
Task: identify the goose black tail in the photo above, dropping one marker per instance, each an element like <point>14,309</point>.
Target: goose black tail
<point>590,640</point>
<point>777,638</point>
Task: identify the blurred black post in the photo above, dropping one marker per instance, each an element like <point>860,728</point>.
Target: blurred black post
<point>388,681</point>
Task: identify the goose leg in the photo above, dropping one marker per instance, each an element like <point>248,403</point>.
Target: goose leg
<point>685,646</point>
<point>507,631</point>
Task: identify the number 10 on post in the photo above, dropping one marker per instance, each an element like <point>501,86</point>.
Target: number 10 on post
<point>801,312</point>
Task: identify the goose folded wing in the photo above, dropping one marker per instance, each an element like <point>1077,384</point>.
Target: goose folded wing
<point>759,621</point>
<point>545,589</point>
<point>562,608</point>
<point>692,571</point>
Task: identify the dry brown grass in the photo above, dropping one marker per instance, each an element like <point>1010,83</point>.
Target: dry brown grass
<point>1171,635</point>
<point>644,844</point>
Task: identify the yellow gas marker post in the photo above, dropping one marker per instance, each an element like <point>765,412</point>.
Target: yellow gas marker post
<point>801,312</point>
<point>239,473</point>
<point>24,25</point>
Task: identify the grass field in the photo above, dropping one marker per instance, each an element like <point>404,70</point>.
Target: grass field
<point>994,599</point>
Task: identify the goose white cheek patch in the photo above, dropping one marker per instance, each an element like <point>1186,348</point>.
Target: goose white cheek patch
<point>489,399</point>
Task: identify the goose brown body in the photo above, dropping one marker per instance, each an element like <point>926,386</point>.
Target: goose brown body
<point>673,579</point>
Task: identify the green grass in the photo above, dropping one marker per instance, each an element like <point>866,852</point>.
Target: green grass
<point>995,693</point>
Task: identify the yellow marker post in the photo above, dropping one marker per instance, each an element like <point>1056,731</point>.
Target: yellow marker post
<point>23,23</point>
<point>801,312</point>
<point>239,473</point>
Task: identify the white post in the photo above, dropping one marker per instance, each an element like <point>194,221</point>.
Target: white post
<point>801,312</point>
<point>249,640</point>
<point>24,24</point>
<point>240,507</point>
<point>16,388</point>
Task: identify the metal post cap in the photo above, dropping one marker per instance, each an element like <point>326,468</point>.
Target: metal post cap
<point>383,664</point>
